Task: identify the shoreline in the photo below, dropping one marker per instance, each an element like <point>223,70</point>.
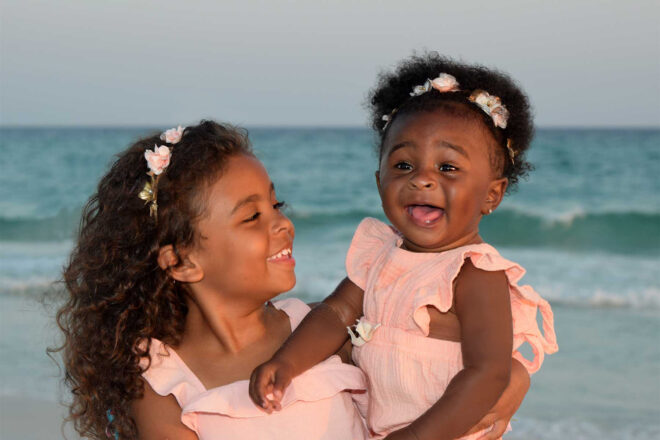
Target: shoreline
<point>23,418</point>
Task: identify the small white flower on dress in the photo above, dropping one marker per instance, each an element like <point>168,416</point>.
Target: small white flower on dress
<point>173,135</point>
<point>158,159</point>
<point>445,83</point>
<point>365,331</point>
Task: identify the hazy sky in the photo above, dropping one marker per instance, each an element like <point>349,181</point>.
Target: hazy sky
<point>276,62</point>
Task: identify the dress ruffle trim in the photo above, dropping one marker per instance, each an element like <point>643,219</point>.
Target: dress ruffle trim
<point>323,381</point>
<point>371,238</point>
<point>168,374</point>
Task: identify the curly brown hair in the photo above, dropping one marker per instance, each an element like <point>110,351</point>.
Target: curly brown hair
<point>117,295</point>
<point>393,89</point>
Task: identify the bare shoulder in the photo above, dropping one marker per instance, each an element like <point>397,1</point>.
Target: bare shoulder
<point>159,417</point>
<point>473,279</point>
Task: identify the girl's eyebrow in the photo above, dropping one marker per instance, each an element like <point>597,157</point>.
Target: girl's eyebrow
<point>249,199</point>
<point>457,148</point>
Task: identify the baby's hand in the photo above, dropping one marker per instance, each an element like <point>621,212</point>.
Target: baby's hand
<point>268,382</point>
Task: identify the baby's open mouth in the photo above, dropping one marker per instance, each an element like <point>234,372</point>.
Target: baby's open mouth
<point>425,215</point>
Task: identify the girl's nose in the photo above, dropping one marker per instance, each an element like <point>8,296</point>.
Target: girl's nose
<point>422,180</point>
<point>283,224</point>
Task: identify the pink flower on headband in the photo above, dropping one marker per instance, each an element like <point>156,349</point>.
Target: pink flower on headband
<point>500,116</point>
<point>492,106</point>
<point>158,159</point>
<point>173,135</point>
<point>445,83</point>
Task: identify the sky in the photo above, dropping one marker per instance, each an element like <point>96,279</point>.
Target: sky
<point>311,63</point>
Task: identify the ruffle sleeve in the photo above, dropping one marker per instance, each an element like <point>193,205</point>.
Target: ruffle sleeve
<point>168,374</point>
<point>370,239</point>
<point>320,382</point>
<point>525,302</point>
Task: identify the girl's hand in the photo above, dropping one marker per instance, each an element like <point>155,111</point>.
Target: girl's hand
<point>268,382</point>
<point>509,402</point>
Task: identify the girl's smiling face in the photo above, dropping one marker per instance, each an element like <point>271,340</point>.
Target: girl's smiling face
<point>245,245</point>
<point>436,179</point>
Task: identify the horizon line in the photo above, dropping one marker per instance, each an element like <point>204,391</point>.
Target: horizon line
<point>306,126</point>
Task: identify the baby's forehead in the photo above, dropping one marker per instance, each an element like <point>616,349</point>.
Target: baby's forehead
<point>466,125</point>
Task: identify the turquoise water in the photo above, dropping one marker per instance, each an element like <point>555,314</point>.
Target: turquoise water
<point>586,225</point>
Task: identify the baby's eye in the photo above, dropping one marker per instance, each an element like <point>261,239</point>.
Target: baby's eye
<point>280,205</point>
<point>447,167</point>
<point>403,166</point>
<point>252,217</point>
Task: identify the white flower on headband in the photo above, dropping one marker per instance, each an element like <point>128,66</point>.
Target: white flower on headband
<point>445,83</point>
<point>492,106</point>
<point>420,90</point>
<point>173,135</point>
<point>158,159</point>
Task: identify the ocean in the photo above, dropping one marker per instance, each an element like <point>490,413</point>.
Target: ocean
<point>586,226</point>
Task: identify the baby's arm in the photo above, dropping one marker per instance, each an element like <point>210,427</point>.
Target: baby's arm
<point>319,335</point>
<point>499,416</point>
<point>483,307</point>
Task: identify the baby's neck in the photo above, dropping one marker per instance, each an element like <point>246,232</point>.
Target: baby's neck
<point>442,247</point>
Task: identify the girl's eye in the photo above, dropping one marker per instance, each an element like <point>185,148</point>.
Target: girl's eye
<point>252,218</point>
<point>447,167</point>
<point>280,205</point>
<point>403,166</point>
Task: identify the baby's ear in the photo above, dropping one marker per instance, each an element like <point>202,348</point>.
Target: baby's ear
<point>178,265</point>
<point>496,190</point>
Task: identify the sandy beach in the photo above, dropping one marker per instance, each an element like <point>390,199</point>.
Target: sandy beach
<point>29,419</point>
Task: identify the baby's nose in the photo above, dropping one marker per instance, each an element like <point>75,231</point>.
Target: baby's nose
<point>422,180</point>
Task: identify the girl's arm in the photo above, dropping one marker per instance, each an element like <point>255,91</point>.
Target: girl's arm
<point>484,310</point>
<point>159,417</point>
<point>319,335</point>
<point>499,416</point>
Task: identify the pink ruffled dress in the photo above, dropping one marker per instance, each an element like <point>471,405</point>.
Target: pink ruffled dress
<point>317,405</point>
<point>407,371</point>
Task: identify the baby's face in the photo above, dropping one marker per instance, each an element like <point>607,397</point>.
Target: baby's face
<point>246,243</point>
<point>436,179</point>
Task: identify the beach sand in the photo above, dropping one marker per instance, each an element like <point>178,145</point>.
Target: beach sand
<point>29,419</point>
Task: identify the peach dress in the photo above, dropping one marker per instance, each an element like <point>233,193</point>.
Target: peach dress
<point>407,371</point>
<point>317,405</point>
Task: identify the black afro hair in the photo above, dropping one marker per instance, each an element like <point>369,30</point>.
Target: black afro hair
<point>391,97</point>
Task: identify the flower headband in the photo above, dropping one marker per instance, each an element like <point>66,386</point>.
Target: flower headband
<point>489,104</point>
<point>158,160</point>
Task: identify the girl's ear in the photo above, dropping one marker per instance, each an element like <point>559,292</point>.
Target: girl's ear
<point>179,266</point>
<point>496,191</point>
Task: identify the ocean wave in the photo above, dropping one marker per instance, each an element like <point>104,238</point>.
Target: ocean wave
<point>61,226</point>
<point>626,232</point>
<point>646,299</point>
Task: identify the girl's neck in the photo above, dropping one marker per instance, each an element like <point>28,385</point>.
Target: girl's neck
<point>226,326</point>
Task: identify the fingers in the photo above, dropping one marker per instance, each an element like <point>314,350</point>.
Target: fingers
<point>261,385</point>
<point>267,385</point>
<point>498,429</point>
<point>282,381</point>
